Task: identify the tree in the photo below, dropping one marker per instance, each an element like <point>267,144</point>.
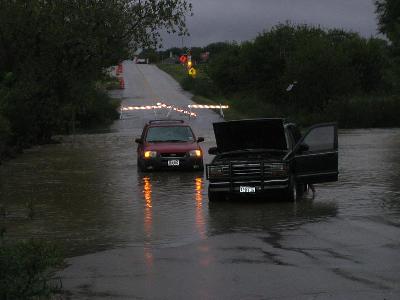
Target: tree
<point>56,51</point>
<point>321,67</point>
<point>389,24</point>
<point>389,19</point>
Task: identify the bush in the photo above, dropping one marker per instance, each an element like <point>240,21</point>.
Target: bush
<point>199,86</point>
<point>27,270</point>
<point>4,128</point>
<point>319,65</point>
<point>98,109</point>
<point>4,135</point>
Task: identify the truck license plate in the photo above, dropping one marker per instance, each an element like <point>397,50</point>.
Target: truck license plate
<point>173,162</point>
<point>247,189</point>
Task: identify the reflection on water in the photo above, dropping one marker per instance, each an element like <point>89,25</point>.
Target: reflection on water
<point>200,225</point>
<point>91,197</point>
<point>228,216</point>
<point>148,216</point>
<point>148,222</point>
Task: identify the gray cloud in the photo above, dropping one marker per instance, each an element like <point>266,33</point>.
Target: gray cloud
<point>239,20</point>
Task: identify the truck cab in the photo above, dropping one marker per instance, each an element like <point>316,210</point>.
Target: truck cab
<point>258,156</point>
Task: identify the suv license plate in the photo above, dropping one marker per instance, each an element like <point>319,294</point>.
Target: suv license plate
<point>247,189</point>
<point>173,162</point>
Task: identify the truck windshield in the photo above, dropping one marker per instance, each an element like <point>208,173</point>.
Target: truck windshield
<point>169,134</point>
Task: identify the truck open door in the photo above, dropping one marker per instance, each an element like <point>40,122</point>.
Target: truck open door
<point>315,156</point>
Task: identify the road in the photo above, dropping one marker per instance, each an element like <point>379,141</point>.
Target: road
<point>147,85</point>
<point>322,248</point>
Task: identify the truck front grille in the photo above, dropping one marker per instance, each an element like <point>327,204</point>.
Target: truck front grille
<point>250,170</point>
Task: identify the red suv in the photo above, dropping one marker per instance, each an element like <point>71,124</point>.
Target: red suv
<point>169,144</point>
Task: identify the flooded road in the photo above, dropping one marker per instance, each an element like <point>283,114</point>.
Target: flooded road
<point>158,229</point>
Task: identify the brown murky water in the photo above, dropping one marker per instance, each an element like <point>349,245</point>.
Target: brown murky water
<point>89,196</point>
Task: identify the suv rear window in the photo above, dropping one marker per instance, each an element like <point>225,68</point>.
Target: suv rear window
<point>169,134</point>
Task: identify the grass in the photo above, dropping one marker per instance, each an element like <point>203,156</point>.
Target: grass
<point>204,92</point>
<point>27,270</point>
<point>351,112</point>
<point>109,82</point>
<point>177,71</point>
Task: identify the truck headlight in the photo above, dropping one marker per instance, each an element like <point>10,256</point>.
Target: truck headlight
<point>195,153</point>
<point>279,169</point>
<point>217,171</point>
<point>150,154</point>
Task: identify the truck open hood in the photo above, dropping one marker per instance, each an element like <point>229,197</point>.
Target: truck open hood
<point>250,134</point>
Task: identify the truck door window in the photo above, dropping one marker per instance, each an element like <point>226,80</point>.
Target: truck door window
<point>322,138</point>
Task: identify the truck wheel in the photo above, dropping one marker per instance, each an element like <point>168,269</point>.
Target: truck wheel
<point>291,193</point>
<point>300,190</point>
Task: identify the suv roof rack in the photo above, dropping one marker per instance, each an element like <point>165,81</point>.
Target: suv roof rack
<point>166,121</point>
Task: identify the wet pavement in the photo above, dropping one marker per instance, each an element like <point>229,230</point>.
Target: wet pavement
<point>155,236</point>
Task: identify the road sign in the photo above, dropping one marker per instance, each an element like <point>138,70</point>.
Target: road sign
<point>192,72</point>
<point>183,59</point>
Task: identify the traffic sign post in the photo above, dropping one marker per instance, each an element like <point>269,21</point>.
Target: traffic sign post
<point>183,59</point>
<point>192,72</point>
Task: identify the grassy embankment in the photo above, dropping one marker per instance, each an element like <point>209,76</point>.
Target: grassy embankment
<point>98,111</point>
<point>356,112</point>
<point>27,270</point>
<point>204,92</point>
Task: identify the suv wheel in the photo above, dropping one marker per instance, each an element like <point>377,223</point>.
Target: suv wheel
<point>140,166</point>
<point>201,168</point>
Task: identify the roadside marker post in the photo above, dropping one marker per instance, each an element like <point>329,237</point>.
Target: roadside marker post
<point>201,106</point>
<point>159,105</point>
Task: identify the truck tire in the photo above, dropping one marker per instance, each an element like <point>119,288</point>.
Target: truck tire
<point>300,190</point>
<point>291,193</point>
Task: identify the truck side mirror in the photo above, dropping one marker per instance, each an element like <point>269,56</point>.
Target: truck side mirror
<point>139,141</point>
<point>213,151</point>
<point>200,139</point>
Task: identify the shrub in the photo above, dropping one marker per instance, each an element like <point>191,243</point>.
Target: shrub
<point>27,270</point>
<point>98,109</point>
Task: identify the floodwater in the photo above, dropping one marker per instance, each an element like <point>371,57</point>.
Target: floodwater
<point>89,195</point>
<point>136,235</point>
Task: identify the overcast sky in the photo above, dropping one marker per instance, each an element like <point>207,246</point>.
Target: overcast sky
<point>239,20</point>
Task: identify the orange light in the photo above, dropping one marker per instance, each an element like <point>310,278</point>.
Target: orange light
<point>198,153</point>
<point>189,63</point>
